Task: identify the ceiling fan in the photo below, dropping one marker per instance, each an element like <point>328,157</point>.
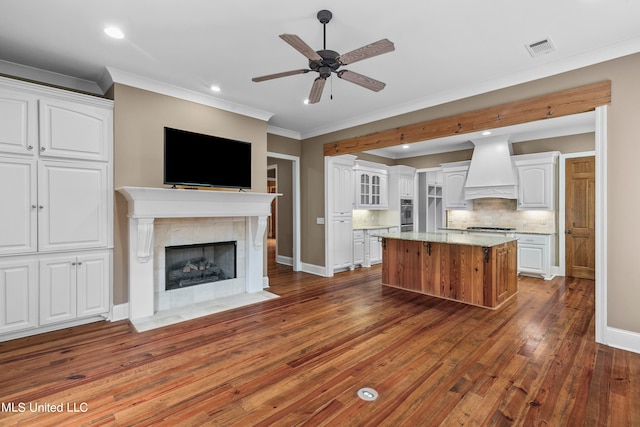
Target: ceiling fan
<point>325,62</point>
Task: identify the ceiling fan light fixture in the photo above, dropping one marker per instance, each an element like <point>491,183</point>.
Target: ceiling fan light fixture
<point>325,62</point>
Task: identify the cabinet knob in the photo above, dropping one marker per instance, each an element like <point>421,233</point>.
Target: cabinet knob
<point>79,262</point>
<point>41,207</point>
<point>569,232</point>
<point>33,206</point>
<point>43,148</point>
<point>30,147</point>
<point>73,263</point>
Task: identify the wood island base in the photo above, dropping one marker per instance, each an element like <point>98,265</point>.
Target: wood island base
<point>485,276</point>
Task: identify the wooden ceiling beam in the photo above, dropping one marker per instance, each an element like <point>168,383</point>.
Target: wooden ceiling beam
<point>557,104</point>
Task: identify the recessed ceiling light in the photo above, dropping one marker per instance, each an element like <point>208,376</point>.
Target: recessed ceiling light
<point>486,132</point>
<point>215,88</point>
<point>405,147</point>
<point>114,32</point>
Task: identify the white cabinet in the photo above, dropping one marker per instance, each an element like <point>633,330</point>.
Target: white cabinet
<point>56,186</point>
<point>454,177</point>
<point>375,249</point>
<point>536,180</point>
<point>342,189</point>
<point>74,131</point>
<point>19,122</point>
<point>342,243</point>
<point>19,215</point>
<point>535,254</point>
<point>358,247</point>
<point>72,204</point>
<point>372,187</point>
<point>19,302</point>
<point>73,286</point>
<point>341,200</point>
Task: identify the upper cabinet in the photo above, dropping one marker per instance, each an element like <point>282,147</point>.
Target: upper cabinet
<point>18,122</point>
<point>56,128</point>
<point>454,176</point>
<point>536,180</point>
<point>372,187</point>
<point>342,185</point>
<point>401,185</point>
<point>74,130</point>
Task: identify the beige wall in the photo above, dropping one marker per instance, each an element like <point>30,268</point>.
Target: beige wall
<point>284,213</point>
<point>139,120</point>
<point>623,151</point>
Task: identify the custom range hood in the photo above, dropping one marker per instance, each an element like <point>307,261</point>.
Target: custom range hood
<point>491,173</point>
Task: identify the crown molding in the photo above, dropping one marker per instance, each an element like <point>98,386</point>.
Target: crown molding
<point>48,77</point>
<point>123,77</point>
<point>284,132</point>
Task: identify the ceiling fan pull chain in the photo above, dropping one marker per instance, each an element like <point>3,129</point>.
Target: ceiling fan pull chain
<point>331,89</point>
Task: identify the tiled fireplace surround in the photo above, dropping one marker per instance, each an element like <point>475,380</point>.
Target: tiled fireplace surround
<point>160,217</point>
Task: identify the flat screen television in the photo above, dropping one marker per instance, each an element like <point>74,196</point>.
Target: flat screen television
<point>195,159</point>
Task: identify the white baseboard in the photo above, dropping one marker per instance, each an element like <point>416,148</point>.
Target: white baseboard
<point>284,260</point>
<point>120,312</point>
<point>622,339</point>
<point>265,282</point>
<point>314,269</point>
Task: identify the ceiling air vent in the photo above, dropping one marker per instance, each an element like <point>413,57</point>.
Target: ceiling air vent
<point>541,47</point>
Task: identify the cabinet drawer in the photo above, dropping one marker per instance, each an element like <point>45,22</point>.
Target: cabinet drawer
<point>358,234</point>
<point>532,239</point>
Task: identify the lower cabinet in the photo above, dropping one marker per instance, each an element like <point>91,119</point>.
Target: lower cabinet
<point>19,289</point>
<point>358,247</point>
<point>40,291</point>
<point>535,253</point>
<point>73,287</point>
<point>342,243</point>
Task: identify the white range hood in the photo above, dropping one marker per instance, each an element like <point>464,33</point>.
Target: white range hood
<point>491,172</point>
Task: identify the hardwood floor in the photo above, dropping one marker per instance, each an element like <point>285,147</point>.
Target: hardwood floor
<point>299,360</point>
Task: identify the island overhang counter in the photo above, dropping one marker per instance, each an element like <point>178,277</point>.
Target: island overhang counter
<point>477,270</point>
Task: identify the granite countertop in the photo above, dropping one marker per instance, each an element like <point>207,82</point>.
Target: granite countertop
<point>372,227</point>
<point>499,232</point>
<point>454,239</point>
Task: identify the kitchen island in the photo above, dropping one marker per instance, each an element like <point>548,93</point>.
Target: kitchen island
<point>477,270</point>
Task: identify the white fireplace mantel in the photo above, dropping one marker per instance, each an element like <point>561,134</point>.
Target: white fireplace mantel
<point>146,204</point>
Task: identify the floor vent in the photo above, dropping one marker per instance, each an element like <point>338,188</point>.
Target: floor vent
<point>541,47</point>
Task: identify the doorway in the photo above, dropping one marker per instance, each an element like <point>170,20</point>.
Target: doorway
<point>580,235</point>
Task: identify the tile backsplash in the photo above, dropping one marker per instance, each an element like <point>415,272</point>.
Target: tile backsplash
<point>502,213</point>
<point>369,218</point>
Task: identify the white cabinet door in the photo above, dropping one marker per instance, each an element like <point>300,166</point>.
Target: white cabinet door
<point>73,205</point>
<point>358,247</point>
<point>18,122</point>
<point>535,187</point>
<point>74,130</point>
<point>342,243</point>
<point>18,215</point>
<point>342,189</point>
<point>453,191</point>
<point>375,249</point>
<point>93,284</point>
<point>19,302</point>
<point>534,254</point>
<point>57,289</point>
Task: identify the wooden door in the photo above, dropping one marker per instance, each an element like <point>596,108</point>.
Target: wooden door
<point>580,239</point>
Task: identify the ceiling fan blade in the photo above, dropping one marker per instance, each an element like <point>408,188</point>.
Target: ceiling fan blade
<point>316,90</point>
<point>368,51</point>
<point>298,44</point>
<point>278,75</point>
<point>362,80</point>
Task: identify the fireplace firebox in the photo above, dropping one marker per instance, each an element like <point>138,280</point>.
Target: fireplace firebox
<point>190,265</point>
